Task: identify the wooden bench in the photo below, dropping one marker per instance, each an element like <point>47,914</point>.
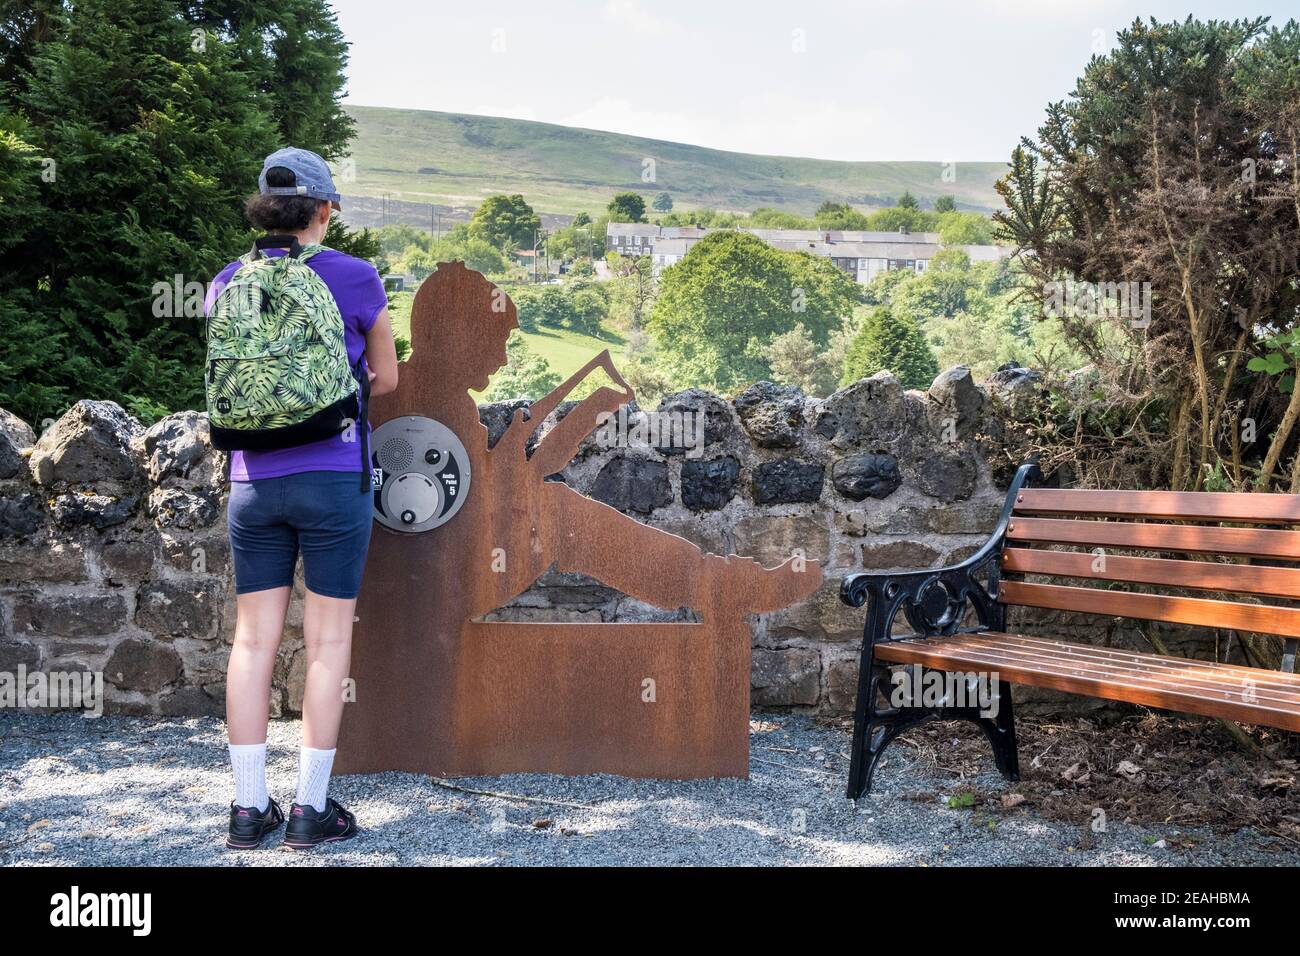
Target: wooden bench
<point>958,614</point>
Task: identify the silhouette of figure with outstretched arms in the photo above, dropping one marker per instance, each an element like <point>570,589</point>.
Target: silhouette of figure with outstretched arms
<point>439,690</point>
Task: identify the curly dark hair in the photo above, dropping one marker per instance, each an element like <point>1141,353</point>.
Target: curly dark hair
<point>281,213</point>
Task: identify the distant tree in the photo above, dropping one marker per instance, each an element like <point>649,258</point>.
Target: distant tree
<point>965,228</point>
<point>477,254</point>
<point>580,306</point>
<point>649,381</point>
<point>561,245</point>
<point>765,218</point>
<point>945,204</point>
<point>796,359</point>
<point>507,222</point>
<point>632,290</point>
<point>907,201</point>
<point>894,343</point>
<point>898,218</point>
<point>706,218</point>
<point>720,305</point>
<point>582,219</point>
<point>572,242</point>
<point>626,207</point>
<point>663,202</point>
<point>394,240</point>
<point>545,305</point>
<point>525,375</point>
<point>590,306</point>
<point>947,287</point>
<point>833,215</point>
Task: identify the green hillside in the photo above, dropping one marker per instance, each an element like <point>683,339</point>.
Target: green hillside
<point>453,160</point>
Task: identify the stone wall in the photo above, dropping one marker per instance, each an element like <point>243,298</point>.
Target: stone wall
<point>113,553</point>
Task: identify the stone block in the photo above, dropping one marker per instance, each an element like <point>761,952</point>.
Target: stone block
<point>99,511</point>
<point>821,618</point>
<point>21,515</point>
<point>871,475</point>
<point>771,414</point>
<point>179,508</point>
<point>785,677</point>
<point>709,485</point>
<point>73,615</point>
<point>185,608</point>
<point>92,442</point>
<point>774,539</point>
<point>145,666</point>
<point>841,686</point>
<point>127,559</point>
<point>630,484</point>
<point>56,562</point>
<point>788,481</point>
<point>900,554</point>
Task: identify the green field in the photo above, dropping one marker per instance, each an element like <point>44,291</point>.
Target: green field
<point>453,159</point>
<point>565,351</point>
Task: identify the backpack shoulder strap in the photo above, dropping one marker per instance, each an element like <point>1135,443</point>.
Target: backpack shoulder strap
<point>312,249</point>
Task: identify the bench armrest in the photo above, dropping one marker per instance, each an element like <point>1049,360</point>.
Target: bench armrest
<point>934,600</point>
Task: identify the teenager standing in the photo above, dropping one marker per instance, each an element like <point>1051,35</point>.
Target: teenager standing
<point>291,496</point>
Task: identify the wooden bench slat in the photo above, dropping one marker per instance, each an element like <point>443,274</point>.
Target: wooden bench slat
<point>1201,575</point>
<point>981,652</point>
<point>1123,554</point>
<point>1155,671</point>
<point>1254,542</point>
<point>1154,607</point>
<point>1193,668</point>
<point>1191,505</point>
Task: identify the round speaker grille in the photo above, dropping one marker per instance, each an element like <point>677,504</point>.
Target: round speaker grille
<point>396,454</point>
<point>424,472</point>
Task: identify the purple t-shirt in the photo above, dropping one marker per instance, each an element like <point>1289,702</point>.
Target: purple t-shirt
<point>359,292</point>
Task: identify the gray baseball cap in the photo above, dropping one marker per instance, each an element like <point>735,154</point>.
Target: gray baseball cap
<point>311,175</point>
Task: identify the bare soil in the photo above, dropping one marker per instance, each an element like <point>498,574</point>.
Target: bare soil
<point>1148,768</point>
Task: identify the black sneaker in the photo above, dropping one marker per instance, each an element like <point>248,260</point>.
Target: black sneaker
<point>309,827</point>
<point>249,826</point>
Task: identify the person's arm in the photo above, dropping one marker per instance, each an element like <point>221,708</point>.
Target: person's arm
<point>381,355</point>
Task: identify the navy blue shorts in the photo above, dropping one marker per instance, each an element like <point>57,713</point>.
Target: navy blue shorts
<point>320,514</point>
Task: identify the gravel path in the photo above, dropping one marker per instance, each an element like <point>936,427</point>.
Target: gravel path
<point>137,791</point>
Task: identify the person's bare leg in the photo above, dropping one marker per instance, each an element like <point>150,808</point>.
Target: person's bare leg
<point>259,622</point>
<point>327,632</point>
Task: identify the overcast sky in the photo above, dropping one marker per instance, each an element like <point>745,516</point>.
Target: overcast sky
<point>910,79</point>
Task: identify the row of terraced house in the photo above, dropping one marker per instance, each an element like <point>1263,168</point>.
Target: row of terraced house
<point>863,255</point>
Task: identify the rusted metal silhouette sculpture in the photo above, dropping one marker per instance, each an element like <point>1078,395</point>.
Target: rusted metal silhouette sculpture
<point>439,691</point>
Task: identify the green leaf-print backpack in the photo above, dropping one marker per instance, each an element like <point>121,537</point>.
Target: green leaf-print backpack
<point>277,373</point>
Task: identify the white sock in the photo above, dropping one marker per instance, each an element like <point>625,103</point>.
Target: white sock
<point>248,761</point>
<point>314,777</point>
